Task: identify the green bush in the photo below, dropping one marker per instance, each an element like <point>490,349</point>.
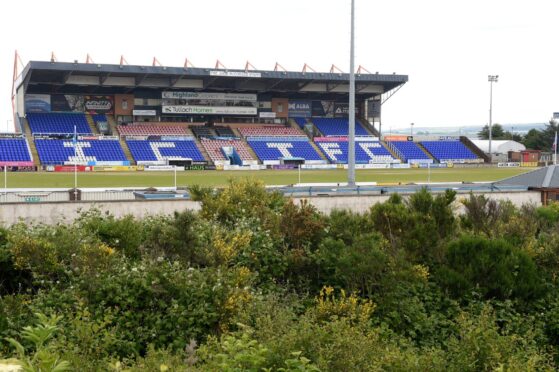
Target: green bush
<point>493,268</point>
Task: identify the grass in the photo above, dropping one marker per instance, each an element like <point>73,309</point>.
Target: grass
<point>269,177</point>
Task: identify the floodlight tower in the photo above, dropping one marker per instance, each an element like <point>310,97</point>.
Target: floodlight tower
<point>351,113</point>
<point>492,79</point>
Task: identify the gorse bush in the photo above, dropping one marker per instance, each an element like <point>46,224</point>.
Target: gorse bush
<point>255,281</point>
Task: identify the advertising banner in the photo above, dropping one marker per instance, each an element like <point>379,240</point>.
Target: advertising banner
<point>67,102</point>
<point>235,74</point>
<point>342,109</point>
<point>118,168</point>
<point>300,109</point>
<point>144,112</point>
<point>210,96</point>
<point>396,138</point>
<point>317,109</point>
<point>99,104</point>
<point>209,110</point>
<point>267,115</point>
<point>70,168</point>
<point>373,108</point>
<point>37,103</point>
<point>124,104</point>
<point>16,163</point>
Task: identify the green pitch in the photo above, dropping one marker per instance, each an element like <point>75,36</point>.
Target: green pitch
<point>269,177</point>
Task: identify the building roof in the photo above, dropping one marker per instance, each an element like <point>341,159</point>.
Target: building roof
<point>62,77</point>
<point>546,177</point>
<point>499,146</point>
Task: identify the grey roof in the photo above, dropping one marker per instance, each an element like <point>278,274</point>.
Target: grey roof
<point>546,177</point>
<point>56,77</point>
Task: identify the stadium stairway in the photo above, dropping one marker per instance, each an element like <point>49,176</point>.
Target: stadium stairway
<point>112,125</point>
<point>126,150</point>
<point>390,150</point>
<point>319,151</point>
<point>91,124</point>
<point>473,148</point>
<point>30,142</point>
<point>368,127</point>
<point>202,150</point>
<point>426,152</point>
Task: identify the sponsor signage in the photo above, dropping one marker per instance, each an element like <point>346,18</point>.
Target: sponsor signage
<point>342,109</point>
<point>144,112</point>
<point>235,74</point>
<point>373,108</point>
<point>16,163</point>
<point>317,109</point>
<point>98,104</point>
<point>209,110</point>
<point>301,109</point>
<point>397,138</point>
<point>67,102</point>
<point>38,103</point>
<point>267,115</point>
<point>210,96</point>
<point>70,168</point>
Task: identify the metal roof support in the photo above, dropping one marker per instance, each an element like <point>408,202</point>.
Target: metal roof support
<point>156,62</point>
<point>17,72</point>
<point>386,96</point>
<point>123,60</point>
<point>187,63</point>
<point>88,59</point>
<point>361,68</point>
<point>278,67</point>
<point>247,65</point>
<point>218,64</point>
<point>53,57</point>
<point>307,67</point>
<point>334,68</point>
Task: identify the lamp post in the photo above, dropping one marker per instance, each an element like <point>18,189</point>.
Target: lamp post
<point>492,79</point>
<point>411,126</point>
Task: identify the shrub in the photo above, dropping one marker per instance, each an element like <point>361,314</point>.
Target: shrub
<point>493,268</point>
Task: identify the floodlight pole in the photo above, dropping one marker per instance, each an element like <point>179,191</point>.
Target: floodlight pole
<point>6,183</point>
<point>492,79</point>
<point>351,144</point>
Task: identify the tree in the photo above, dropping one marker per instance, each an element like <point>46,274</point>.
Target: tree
<point>513,136</point>
<point>496,130</point>
<point>534,140</point>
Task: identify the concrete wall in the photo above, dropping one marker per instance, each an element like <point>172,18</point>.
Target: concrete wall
<point>51,213</point>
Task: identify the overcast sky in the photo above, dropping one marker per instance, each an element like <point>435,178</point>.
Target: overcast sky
<point>446,47</point>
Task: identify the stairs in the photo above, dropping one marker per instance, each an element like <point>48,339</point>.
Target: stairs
<point>112,125</point>
<point>30,142</point>
<point>202,150</point>
<point>427,152</point>
<point>319,151</point>
<point>473,148</point>
<point>394,151</point>
<point>368,127</point>
<point>126,150</point>
<point>91,124</point>
<point>394,154</point>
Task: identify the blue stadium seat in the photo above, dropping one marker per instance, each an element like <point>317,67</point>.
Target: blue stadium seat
<point>53,152</point>
<point>58,123</point>
<point>449,150</point>
<point>300,122</point>
<point>14,149</point>
<point>410,151</point>
<point>365,152</point>
<point>159,151</point>
<point>279,148</point>
<point>338,127</point>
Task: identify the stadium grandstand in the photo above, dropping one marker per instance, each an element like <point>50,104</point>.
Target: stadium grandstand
<point>122,115</point>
